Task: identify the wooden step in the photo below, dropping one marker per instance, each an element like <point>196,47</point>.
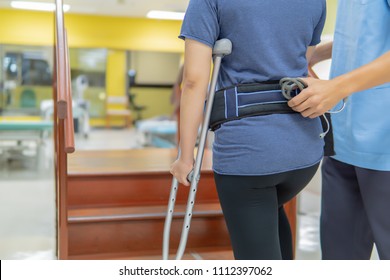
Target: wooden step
<point>208,253</point>
<point>116,203</point>
<point>135,189</point>
<point>133,177</point>
<point>138,230</point>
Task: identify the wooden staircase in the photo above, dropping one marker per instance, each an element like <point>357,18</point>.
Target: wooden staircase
<point>117,202</point>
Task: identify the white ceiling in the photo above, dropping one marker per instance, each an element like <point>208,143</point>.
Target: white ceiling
<point>125,8</point>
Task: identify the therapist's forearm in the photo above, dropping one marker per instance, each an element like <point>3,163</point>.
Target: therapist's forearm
<point>370,75</point>
<point>322,52</point>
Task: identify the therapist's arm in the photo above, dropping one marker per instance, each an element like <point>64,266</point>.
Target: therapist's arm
<point>322,52</point>
<point>197,63</point>
<point>322,95</point>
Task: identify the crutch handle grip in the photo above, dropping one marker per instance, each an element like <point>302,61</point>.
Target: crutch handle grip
<point>190,176</point>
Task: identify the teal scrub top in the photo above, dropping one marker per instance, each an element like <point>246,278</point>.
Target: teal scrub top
<point>362,129</point>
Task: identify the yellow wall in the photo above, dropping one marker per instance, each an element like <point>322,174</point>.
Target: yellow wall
<point>116,70</point>
<point>26,28</point>
<point>331,9</point>
<point>89,31</point>
<point>123,33</point>
<point>114,33</point>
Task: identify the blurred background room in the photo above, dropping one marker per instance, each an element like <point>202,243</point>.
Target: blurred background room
<point>124,66</point>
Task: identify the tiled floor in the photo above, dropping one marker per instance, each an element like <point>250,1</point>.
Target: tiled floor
<point>27,210</point>
<point>27,201</point>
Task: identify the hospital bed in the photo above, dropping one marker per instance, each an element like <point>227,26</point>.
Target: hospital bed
<point>23,139</point>
<point>158,132</point>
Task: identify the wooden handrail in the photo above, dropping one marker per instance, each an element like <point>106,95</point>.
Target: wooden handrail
<point>64,130</point>
<point>64,92</point>
<point>61,64</point>
<point>69,128</point>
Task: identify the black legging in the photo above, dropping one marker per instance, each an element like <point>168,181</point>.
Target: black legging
<point>254,214</point>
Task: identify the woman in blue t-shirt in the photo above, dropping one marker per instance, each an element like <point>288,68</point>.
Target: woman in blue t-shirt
<point>259,162</point>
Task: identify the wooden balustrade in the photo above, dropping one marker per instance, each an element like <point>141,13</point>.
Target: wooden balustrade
<point>69,129</point>
<point>63,126</point>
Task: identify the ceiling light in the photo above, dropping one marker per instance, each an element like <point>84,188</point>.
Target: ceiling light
<point>165,15</point>
<point>36,6</point>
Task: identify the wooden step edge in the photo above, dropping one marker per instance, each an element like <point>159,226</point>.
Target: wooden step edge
<point>111,214</point>
<point>205,253</point>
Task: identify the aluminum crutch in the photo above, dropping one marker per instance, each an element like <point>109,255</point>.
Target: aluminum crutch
<point>221,48</point>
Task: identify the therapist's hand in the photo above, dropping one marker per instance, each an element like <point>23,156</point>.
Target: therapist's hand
<point>180,170</point>
<point>319,97</point>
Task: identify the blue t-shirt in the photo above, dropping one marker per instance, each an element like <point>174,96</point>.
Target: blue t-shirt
<point>362,130</point>
<point>269,39</point>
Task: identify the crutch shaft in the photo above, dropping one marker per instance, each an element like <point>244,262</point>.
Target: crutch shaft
<point>169,216</point>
